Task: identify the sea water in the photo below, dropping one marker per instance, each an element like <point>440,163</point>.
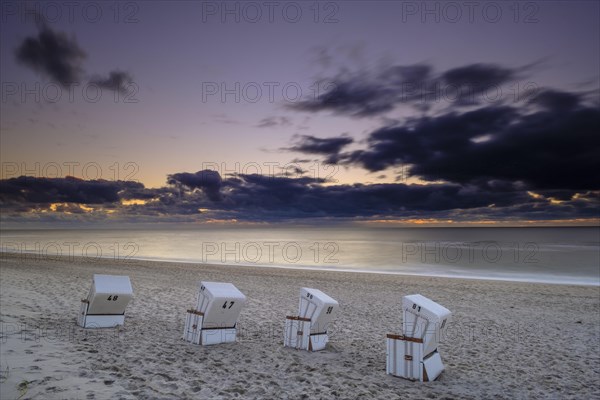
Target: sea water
<point>548,254</point>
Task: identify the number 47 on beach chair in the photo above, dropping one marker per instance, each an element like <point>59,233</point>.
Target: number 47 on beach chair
<point>214,318</point>
<point>308,330</point>
<point>106,302</point>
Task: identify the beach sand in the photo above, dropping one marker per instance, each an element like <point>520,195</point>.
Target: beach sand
<point>507,340</point>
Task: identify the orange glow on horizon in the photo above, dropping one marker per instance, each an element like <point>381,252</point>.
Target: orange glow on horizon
<point>133,202</point>
<point>491,223</point>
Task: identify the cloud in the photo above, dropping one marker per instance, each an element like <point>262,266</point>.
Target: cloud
<point>307,197</point>
<point>352,97</point>
<point>207,181</point>
<point>426,137</point>
<point>470,81</point>
<point>371,93</point>
<point>26,190</point>
<point>270,122</point>
<point>555,100</point>
<point>53,54</point>
<point>117,81</point>
<point>548,149</point>
<point>59,57</point>
<point>322,146</point>
<point>321,56</point>
<point>204,195</point>
<point>548,141</point>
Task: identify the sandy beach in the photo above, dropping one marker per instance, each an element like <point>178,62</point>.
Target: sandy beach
<point>507,340</point>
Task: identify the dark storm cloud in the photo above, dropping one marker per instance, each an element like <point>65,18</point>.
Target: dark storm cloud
<point>206,180</point>
<point>247,195</point>
<point>265,198</point>
<point>307,197</point>
<point>548,142</point>
<point>59,57</point>
<point>322,146</point>
<point>555,100</point>
<point>366,93</point>
<point>53,54</point>
<point>271,199</point>
<point>352,97</point>
<point>31,190</point>
<point>409,144</point>
<point>471,80</point>
<point>117,81</point>
<point>549,149</point>
<point>140,192</point>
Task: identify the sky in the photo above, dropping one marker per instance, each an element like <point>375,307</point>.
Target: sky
<point>382,112</point>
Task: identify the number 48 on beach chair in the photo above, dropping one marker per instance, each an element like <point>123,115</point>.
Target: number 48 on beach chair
<point>106,302</point>
<point>214,318</point>
<point>308,330</point>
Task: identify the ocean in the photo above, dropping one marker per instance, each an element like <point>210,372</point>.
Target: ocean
<point>549,254</point>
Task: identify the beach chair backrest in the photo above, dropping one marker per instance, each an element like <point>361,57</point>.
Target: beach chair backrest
<point>424,319</point>
<point>317,306</point>
<point>221,303</point>
<point>109,295</point>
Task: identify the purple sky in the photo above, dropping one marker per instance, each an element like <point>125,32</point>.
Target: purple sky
<point>178,57</point>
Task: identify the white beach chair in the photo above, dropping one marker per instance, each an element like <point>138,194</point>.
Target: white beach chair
<point>308,330</point>
<point>214,318</point>
<point>414,355</point>
<point>106,302</point>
